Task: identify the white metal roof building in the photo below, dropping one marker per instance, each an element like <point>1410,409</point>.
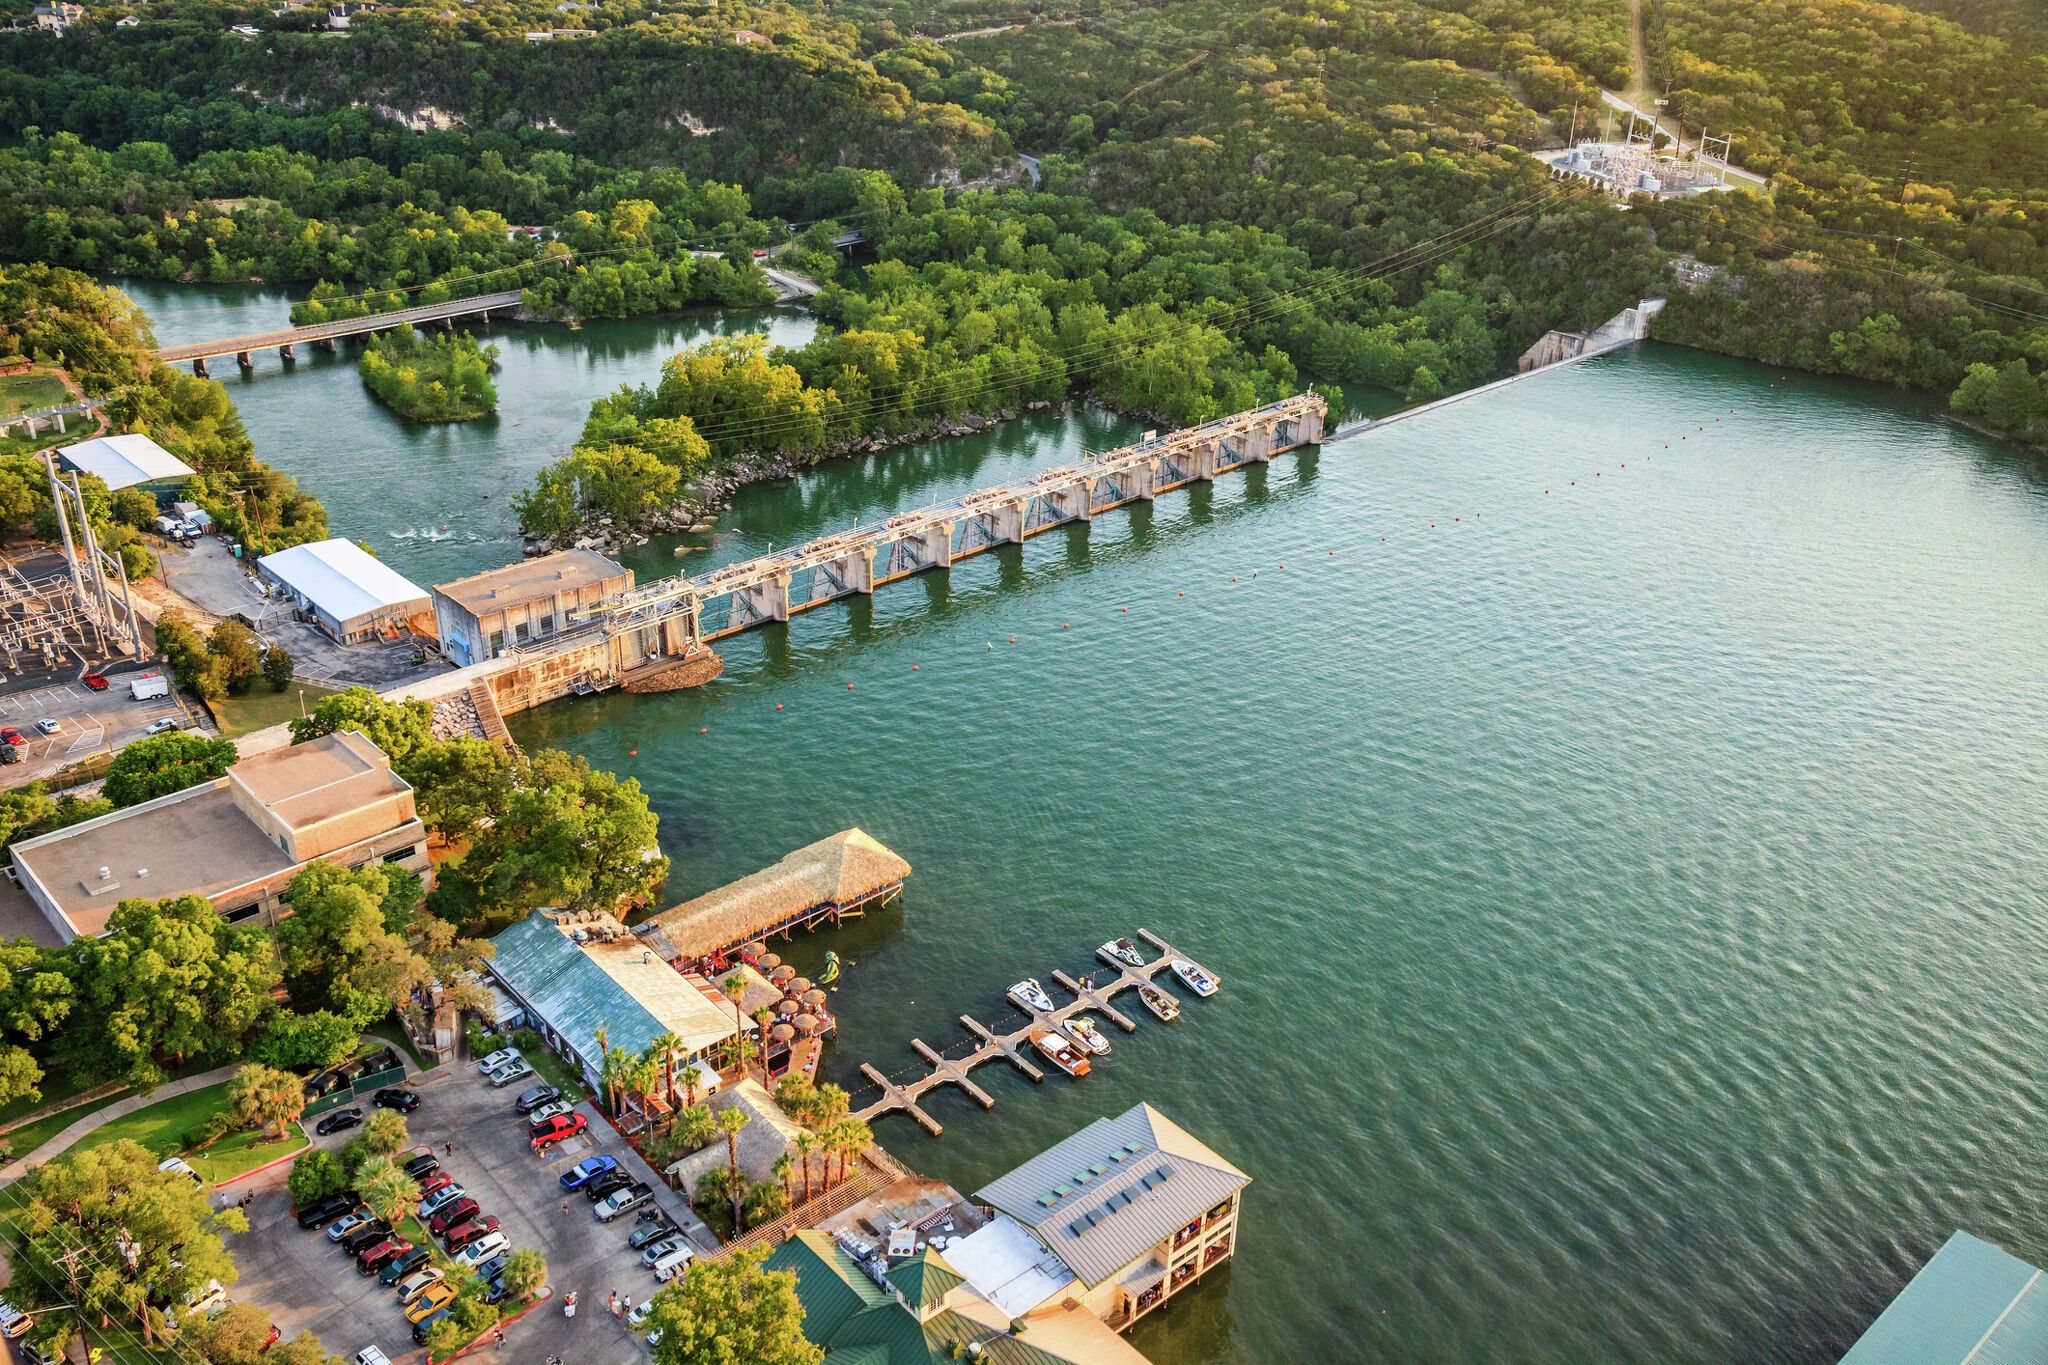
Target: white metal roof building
<point>128,462</point>
<point>344,589</point>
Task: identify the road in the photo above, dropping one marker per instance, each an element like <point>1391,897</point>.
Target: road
<point>325,331</point>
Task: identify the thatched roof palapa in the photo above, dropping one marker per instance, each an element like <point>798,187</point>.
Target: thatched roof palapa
<point>842,870</point>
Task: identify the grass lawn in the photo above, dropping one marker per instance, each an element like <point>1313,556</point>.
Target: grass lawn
<point>159,1127</point>
<point>260,707</point>
<point>58,1086</point>
<point>32,392</point>
<point>30,1136</point>
<point>239,1153</point>
<point>391,1031</point>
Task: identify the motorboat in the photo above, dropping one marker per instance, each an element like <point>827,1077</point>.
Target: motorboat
<point>1084,1032</point>
<point>1161,1002</point>
<point>1196,980</point>
<point>1031,996</point>
<point>1121,950</point>
<point>1060,1052</point>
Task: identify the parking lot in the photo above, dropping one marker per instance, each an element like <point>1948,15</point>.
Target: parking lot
<point>88,722</point>
<point>307,1283</point>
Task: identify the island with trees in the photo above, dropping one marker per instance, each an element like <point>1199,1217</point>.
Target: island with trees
<point>444,378</point>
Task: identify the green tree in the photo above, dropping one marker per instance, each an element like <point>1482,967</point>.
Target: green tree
<point>730,1120</point>
<point>237,1334</point>
<point>35,1000</point>
<point>308,1042</point>
<point>549,508</point>
<point>133,507</point>
<point>337,949</point>
<point>460,783</point>
<point>237,656</point>
<point>150,768</point>
<point>263,1094</point>
<point>397,727</point>
<point>111,1203</point>
<point>315,1175</point>
<point>277,667</point>
<point>623,480</point>
<point>525,1272</point>
<point>384,1132</point>
<point>303,1349</point>
<point>729,1310</point>
<point>387,1189</point>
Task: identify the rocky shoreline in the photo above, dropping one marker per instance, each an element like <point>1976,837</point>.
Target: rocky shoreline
<point>700,508</point>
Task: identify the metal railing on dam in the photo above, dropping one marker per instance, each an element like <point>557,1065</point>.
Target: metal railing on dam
<point>774,587</point>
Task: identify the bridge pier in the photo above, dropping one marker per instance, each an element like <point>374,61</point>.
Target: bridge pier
<point>1072,502</point>
<point>199,366</point>
<point>245,360</point>
<point>1005,523</point>
<point>768,599</point>
<point>328,345</point>
<point>856,570</point>
<point>287,354</point>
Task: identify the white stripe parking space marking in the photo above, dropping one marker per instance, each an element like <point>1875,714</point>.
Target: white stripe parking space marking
<point>89,739</point>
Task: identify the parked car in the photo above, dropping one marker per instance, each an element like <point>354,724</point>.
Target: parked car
<point>457,1212</point>
<point>404,1101</point>
<point>206,1298</point>
<point>555,1129</point>
<point>423,1304</point>
<point>371,1355</point>
<point>476,1229</point>
<point>435,1183</point>
<point>339,1121</point>
<point>606,1184</point>
<point>325,1210</point>
<point>48,727</point>
<point>423,1167</point>
<point>494,1290</point>
<point>440,1199</point>
<point>351,1222</point>
<point>428,1324</point>
<point>612,1205</point>
<point>510,1074</point>
<point>499,1058</point>
<point>481,1250</point>
<point>159,727</point>
<point>533,1098</point>
<point>655,1231</point>
<point>406,1267</point>
<point>14,1322</point>
<point>96,681</point>
<point>550,1109</point>
<point>588,1169</point>
<point>660,1249</point>
<point>177,1165</point>
<point>493,1268</point>
<point>640,1312</point>
<point>417,1279</point>
<point>10,735</point>
<point>367,1234</point>
<point>374,1258</point>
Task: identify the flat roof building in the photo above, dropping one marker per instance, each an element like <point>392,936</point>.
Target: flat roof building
<point>132,461</point>
<point>1971,1302</point>
<point>346,591</point>
<point>481,616</point>
<point>238,841</point>
<point>1134,1208</point>
<point>575,973</point>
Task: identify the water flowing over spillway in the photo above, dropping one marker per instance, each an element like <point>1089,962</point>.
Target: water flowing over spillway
<point>1629,896</point>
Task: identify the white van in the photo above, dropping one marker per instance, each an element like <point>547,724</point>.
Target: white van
<point>672,1265</point>
<point>14,1322</point>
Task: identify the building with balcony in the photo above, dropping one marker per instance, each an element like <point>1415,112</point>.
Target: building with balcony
<point>238,841</point>
<point>1119,1217</point>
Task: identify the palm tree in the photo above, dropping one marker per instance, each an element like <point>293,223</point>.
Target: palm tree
<point>730,1120</point>
<point>761,1018</point>
<point>846,1139</point>
<point>806,1145</point>
<point>832,1105</point>
<point>668,1047</point>
<point>695,1127</point>
<point>266,1095</point>
<point>781,1169</point>
<point>617,1064</point>
<point>735,988</point>
<point>389,1191</point>
<point>526,1270</point>
<point>645,1080</point>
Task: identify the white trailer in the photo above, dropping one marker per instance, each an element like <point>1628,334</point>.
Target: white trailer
<point>147,686</point>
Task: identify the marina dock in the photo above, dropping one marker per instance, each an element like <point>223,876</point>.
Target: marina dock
<point>1091,998</point>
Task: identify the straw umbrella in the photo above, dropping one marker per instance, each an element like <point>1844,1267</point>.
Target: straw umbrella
<point>797,985</point>
<point>781,1033</point>
<point>781,974</point>
<point>754,949</point>
<point>805,1022</point>
<point>767,962</point>
<point>814,998</point>
<point>785,1008</point>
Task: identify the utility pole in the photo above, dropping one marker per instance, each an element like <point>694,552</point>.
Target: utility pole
<point>92,550</point>
<point>69,1260</point>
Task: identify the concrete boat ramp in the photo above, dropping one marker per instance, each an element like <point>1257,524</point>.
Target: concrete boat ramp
<point>1015,1047</point>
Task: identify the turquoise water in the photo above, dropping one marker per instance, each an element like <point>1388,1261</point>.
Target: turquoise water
<point>1628,897</point>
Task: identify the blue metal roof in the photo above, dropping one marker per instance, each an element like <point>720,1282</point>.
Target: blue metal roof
<point>572,993</point>
<point>1970,1303</point>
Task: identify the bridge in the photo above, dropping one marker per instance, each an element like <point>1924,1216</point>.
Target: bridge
<point>777,586</point>
<point>243,348</point>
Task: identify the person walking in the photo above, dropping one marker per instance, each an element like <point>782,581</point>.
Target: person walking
<point>569,1305</point>
<point>626,1306</point>
<point>498,1335</point>
<point>612,1302</point>
<point>448,1148</point>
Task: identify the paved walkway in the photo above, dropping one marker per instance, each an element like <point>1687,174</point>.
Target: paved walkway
<point>16,1169</point>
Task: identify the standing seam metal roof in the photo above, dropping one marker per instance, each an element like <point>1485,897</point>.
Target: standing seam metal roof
<point>1971,1302</point>
<point>1111,1192</point>
<point>124,461</point>
<point>343,580</point>
<point>575,995</point>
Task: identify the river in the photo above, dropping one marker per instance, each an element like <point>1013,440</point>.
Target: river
<point>1618,827</point>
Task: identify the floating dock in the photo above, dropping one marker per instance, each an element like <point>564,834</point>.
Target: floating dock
<point>1015,1047</point>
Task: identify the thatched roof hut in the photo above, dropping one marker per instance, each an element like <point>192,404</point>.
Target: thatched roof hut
<point>832,877</point>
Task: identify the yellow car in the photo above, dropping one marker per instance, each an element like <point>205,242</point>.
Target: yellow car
<point>429,1302</point>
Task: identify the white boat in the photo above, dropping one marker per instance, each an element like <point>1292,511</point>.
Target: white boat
<point>1121,950</point>
<point>1084,1032</point>
<point>1161,1002</point>
<point>1031,996</point>
<point>1197,980</point>
<point>1060,1052</point>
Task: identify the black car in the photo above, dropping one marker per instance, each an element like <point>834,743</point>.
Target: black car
<point>339,1121</point>
<point>420,1167</point>
<point>605,1184</point>
<point>491,1269</point>
<point>404,1266</point>
<point>651,1232</point>
<point>368,1235</point>
<point>404,1101</point>
<point>530,1100</point>
<point>426,1325</point>
<point>323,1211</point>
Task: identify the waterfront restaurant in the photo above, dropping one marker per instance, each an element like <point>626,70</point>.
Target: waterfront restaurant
<point>1131,1211</point>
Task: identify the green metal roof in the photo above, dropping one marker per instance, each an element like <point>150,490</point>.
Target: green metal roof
<point>925,1278</point>
<point>575,996</point>
<point>1970,1303</point>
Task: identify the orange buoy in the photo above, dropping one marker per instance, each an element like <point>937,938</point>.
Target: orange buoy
<point>849,687</point>
<point>778,706</point>
<point>1013,639</point>
<point>1126,608</point>
<point>1233,577</point>
<point>703,732</point>
<point>913,668</point>
<point>632,753</point>
<point>1065,626</point>
<point>1546,490</point>
<point>1283,566</point>
<point>1183,594</point>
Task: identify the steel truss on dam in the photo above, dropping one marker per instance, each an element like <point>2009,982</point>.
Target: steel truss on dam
<point>775,587</point>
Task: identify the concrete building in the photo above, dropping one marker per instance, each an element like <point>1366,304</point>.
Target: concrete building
<point>1971,1302</point>
<point>58,17</point>
<point>237,841</point>
<point>346,591</point>
<point>572,974</point>
<point>128,462</point>
<point>1119,1217</point>
<point>482,616</point>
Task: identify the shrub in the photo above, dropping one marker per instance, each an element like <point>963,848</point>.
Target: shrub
<point>316,1175</point>
<point>526,1040</point>
<point>207,1131</point>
